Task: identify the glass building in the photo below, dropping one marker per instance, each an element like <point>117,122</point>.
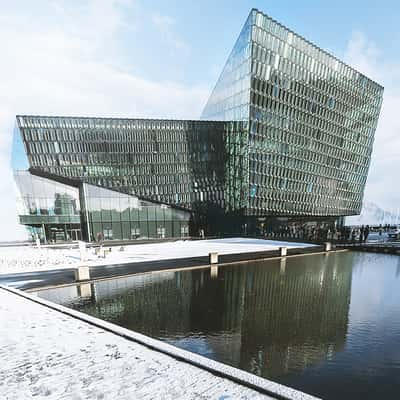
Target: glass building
<point>57,208</point>
<point>310,122</point>
<point>286,135</point>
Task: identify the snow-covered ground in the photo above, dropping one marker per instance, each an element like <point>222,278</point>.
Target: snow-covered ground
<point>46,354</point>
<point>28,259</point>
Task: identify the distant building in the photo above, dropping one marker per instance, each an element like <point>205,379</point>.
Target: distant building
<point>285,138</point>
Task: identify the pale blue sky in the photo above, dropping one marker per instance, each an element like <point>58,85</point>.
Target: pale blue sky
<point>146,58</point>
<point>189,41</point>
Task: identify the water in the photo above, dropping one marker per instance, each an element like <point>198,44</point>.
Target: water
<point>325,324</point>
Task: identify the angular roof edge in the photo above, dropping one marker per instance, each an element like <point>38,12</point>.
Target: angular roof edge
<point>114,118</point>
<point>314,45</point>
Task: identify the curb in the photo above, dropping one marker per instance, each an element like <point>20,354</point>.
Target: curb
<point>255,382</point>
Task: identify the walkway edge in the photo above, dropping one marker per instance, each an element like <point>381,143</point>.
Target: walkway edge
<point>255,382</point>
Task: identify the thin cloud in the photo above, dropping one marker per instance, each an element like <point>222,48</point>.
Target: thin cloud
<point>166,25</point>
<point>366,56</point>
<point>59,69</point>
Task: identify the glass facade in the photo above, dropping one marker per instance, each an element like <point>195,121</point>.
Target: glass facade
<point>308,123</point>
<point>112,215</point>
<point>312,123</point>
<point>230,99</point>
<point>173,161</point>
<point>44,199</point>
<point>287,132</point>
<point>50,208</point>
<point>60,211</point>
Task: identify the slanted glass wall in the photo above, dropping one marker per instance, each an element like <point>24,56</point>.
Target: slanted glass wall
<point>57,212</point>
<point>19,159</point>
<point>44,200</point>
<point>177,162</point>
<point>312,124</point>
<point>52,208</point>
<point>112,215</point>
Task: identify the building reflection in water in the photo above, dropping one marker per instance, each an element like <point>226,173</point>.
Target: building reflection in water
<point>270,318</point>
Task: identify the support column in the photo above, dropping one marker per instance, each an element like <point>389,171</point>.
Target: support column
<point>213,258</point>
<point>327,246</point>
<point>44,234</point>
<point>82,273</point>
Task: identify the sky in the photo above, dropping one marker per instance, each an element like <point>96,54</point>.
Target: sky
<point>148,58</point>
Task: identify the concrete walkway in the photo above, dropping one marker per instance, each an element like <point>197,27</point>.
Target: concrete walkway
<point>49,353</point>
<point>30,259</point>
<point>38,279</point>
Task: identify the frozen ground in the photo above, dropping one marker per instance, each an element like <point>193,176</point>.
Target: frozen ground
<point>46,354</point>
<point>28,259</point>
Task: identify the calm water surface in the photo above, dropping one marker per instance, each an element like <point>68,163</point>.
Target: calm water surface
<point>325,324</point>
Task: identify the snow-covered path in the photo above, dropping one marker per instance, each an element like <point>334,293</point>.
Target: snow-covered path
<point>47,354</point>
<point>29,259</point>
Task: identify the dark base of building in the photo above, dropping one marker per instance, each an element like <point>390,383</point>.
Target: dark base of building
<point>216,222</point>
<point>53,233</point>
<point>215,225</point>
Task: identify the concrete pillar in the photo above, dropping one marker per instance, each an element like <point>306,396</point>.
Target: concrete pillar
<point>283,251</point>
<point>327,246</point>
<point>82,250</point>
<point>214,272</point>
<point>44,234</point>
<point>82,273</point>
<point>213,258</point>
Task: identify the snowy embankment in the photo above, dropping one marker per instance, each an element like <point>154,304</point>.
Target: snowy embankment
<point>46,354</point>
<point>28,259</point>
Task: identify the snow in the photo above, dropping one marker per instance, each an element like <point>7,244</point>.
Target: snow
<point>47,354</point>
<point>372,214</point>
<point>29,259</point>
<point>20,259</point>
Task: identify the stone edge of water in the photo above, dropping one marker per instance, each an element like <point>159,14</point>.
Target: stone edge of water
<point>234,374</point>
